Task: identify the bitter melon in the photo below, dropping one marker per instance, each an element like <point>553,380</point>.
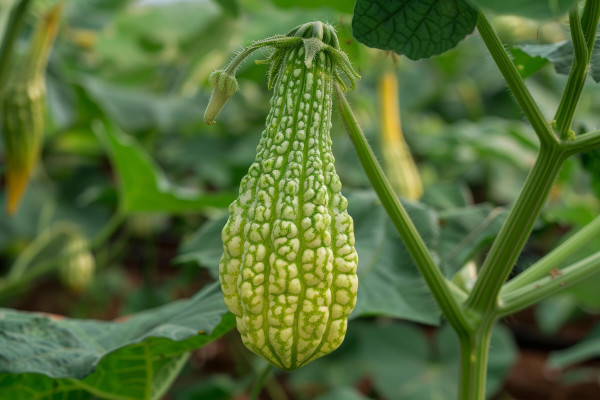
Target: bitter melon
<point>288,270</point>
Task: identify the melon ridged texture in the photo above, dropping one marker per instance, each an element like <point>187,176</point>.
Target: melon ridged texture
<point>288,270</point>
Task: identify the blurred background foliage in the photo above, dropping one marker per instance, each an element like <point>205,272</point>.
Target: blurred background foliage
<point>129,163</point>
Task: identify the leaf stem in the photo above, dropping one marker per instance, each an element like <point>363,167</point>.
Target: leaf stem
<point>514,233</point>
<point>515,82</point>
<point>555,258</point>
<point>260,381</point>
<point>436,282</point>
<point>108,229</point>
<point>582,46</point>
<point>276,41</point>
<point>536,291</point>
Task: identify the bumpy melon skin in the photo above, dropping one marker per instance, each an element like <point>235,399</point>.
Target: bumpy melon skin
<point>288,270</point>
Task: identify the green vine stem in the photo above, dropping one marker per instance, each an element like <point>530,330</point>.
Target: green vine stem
<point>514,233</point>
<point>549,285</point>
<point>555,258</point>
<point>439,286</point>
<point>582,143</point>
<point>514,81</point>
<point>474,350</point>
<point>583,43</point>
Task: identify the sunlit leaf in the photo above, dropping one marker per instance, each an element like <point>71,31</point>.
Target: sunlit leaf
<point>143,187</point>
<point>136,358</point>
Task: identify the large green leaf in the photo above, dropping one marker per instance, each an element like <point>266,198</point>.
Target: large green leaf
<point>405,366</point>
<point>389,282</point>
<point>538,9</point>
<point>44,356</point>
<point>415,28</point>
<point>143,186</point>
<point>138,110</point>
<point>403,362</point>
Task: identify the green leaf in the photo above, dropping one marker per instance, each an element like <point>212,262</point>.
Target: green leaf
<point>405,366</point>
<point>389,282</point>
<point>585,350</point>
<point>530,58</point>
<point>45,356</point>
<point>466,231</point>
<point>138,110</point>
<point>143,186</point>
<point>527,64</point>
<point>215,387</point>
<point>446,196</point>
<point>403,362</point>
<point>537,9</point>
<point>43,255</point>
<point>534,56</point>
<point>205,247</point>
<point>415,28</point>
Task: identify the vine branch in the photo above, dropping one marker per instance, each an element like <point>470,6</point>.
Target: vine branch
<point>555,258</point>
<point>514,233</point>
<point>550,285</point>
<point>583,43</point>
<point>515,82</point>
<point>439,286</point>
<point>582,143</point>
